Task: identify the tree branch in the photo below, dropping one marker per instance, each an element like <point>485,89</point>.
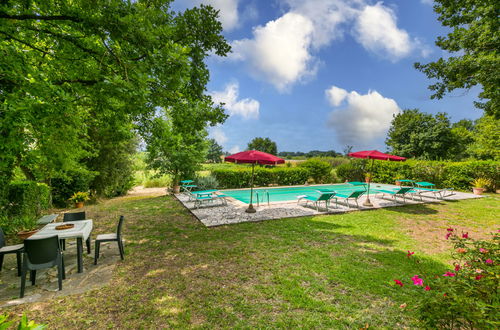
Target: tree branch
<point>26,43</point>
<point>41,18</point>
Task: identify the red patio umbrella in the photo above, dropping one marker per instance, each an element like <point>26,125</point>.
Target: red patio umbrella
<point>254,157</point>
<point>374,154</point>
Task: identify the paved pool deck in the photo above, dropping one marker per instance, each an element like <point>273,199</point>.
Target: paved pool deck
<point>217,214</point>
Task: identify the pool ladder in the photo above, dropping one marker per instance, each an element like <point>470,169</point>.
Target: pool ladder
<point>262,194</point>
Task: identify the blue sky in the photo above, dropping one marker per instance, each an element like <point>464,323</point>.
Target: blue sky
<point>323,74</point>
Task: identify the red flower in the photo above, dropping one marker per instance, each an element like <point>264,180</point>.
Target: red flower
<point>457,268</point>
<point>448,235</point>
<point>398,282</point>
<point>478,277</point>
<point>489,261</point>
<point>450,274</point>
<point>449,229</point>
<point>417,281</point>
<point>466,235</point>
<point>409,254</point>
<point>483,250</point>
<point>427,288</point>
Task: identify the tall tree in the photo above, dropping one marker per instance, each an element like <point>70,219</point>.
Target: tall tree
<point>214,152</point>
<point>474,39</point>
<point>486,144</point>
<point>463,136</point>
<point>263,144</point>
<point>420,135</point>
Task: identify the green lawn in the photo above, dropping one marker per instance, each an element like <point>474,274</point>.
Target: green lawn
<point>314,272</point>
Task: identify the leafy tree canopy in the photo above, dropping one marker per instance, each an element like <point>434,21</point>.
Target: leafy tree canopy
<point>263,144</point>
<point>214,152</point>
<point>474,39</point>
<point>420,135</point>
<point>486,139</point>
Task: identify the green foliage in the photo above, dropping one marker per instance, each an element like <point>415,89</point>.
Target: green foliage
<point>319,170</point>
<point>309,154</point>
<point>241,178</point>
<point>214,151</point>
<point>474,42</point>
<point>486,139</point>
<point>264,145</point>
<point>206,182</point>
<point>158,182</point>
<point>12,225</point>
<point>482,183</point>
<point>80,196</point>
<point>352,171</point>
<point>27,199</point>
<point>66,184</point>
<point>24,323</point>
<point>420,135</point>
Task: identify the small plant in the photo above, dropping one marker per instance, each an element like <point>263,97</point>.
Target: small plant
<point>207,182</point>
<point>481,183</point>
<point>79,197</point>
<point>24,323</point>
<point>466,296</point>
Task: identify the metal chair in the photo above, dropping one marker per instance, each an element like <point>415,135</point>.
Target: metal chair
<point>114,237</point>
<point>75,216</point>
<point>41,254</point>
<point>9,249</point>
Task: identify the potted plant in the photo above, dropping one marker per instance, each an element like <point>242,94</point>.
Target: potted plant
<point>479,185</point>
<point>78,198</point>
<point>368,177</point>
<point>26,226</point>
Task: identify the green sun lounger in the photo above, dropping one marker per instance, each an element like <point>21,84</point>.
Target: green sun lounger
<point>436,193</point>
<point>356,194</point>
<point>316,200</point>
<point>398,192</point>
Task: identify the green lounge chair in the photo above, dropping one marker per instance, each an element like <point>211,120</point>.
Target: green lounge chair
<point>401,192</point>
<point>323,197</point>
<point>437,193</point>
<point>356,194</point>
<point>408,182</point>
<point>424,184</point>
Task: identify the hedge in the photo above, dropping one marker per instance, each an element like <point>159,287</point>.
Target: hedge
<point>457,175</point>
<point>27,198</point>
<point>241,178</point>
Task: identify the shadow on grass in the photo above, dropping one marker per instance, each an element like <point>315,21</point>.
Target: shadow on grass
<point>413,209</point>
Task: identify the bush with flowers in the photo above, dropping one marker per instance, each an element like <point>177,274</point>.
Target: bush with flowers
<point>466,296</point>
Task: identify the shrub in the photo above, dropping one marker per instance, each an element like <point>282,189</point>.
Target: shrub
<point>467,295</point>
<point>352,171</point>
<point>27,198</point>
<point>319,170</point>
<point>68,183</point>
<point>241,178</point>
<point>157,182</point>
<point>206,182</point>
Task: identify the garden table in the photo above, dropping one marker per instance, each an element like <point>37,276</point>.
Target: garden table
<point>81,231</point>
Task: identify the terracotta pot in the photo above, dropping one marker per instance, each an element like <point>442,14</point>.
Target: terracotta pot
<point>177,189</point>
<point>367,179</point>
<point>79,205</point>
<point>24,234</point>
<point>478,191</point>
<point>398,183</point>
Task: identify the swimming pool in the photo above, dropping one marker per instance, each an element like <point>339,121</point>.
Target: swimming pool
<point>284,194</point>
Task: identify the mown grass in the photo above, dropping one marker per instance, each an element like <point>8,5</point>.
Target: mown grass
<point>332,271</point>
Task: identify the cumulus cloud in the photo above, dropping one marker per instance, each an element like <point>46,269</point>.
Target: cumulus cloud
<point>279,51</point>
<point>228,11</point>
<point>363,119</point>
<point>247,108</point>
<point>376,29</point>
<point>234,149</point>
<point>218,135</point>
<point>282,52</point>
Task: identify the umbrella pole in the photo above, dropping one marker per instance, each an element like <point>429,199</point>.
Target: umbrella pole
<point>368,202</point>
<point>250,207</point>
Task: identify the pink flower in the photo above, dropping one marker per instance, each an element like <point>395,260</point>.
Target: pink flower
<point>466,235</point>
<point>478,277</point>
<point>483,250</point>
<point>457,268</point>
<point>409,254</point>
<point>417,281</point>
<point>449,229</point>
<point>448,235</point>
<point>427,288</point>
<point>398,282</point>
<point>450,274</point>
<point>489,261</point>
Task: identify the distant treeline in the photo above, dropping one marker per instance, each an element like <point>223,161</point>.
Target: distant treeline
<point>310,154</point>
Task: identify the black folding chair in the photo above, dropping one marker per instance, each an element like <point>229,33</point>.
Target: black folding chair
<point>9,249</point>
<point>40,254</point>
<point>110,238</point>
<point>75,216</point>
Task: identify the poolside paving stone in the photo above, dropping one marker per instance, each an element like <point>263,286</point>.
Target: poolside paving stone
<point>217,214</point>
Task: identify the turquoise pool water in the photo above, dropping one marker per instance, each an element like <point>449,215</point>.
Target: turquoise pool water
<point>290,193</point>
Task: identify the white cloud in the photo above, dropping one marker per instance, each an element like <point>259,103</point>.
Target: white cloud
<point>427,2</point>
<point>234,149</point>
<point>218,135</point>
<point>336,95</point>
<point>246,108</point>
<point>228,11</point>
<point>279,51</point>
<point>377,31</point>
<point>365,118</point>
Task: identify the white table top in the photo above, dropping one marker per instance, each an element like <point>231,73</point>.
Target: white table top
<point>81,229</point>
